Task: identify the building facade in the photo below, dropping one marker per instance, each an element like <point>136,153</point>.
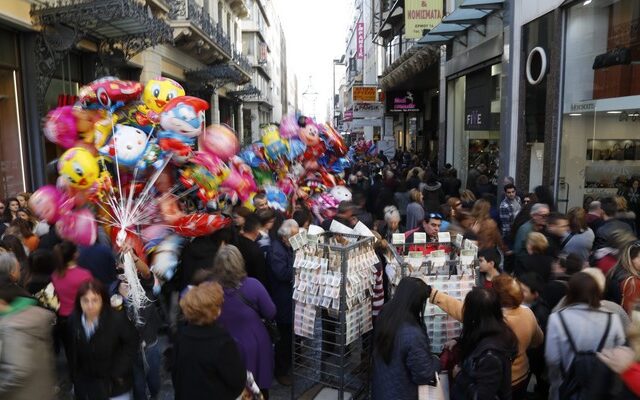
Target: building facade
<point>264,45</point>
<point>51,49</point>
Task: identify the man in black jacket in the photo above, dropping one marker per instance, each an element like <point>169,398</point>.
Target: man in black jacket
<point>254,261</point>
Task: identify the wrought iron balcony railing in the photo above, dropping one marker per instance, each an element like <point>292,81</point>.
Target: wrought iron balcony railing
<point>189,10</point>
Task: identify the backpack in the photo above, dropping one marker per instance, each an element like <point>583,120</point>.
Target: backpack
<point>587,377</point>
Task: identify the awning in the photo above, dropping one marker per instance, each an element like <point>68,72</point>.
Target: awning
<point>246,91</point>
<point>448,29</point>
<point>465,16</point>
<point>215,76</point>
<point>483,4</point>
<point>434,40</point>
<point>410,63</point>
<point>104,19</point>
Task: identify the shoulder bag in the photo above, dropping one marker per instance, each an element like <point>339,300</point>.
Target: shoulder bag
<point>269,324</point>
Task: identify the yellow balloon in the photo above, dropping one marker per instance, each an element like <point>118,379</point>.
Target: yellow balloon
<point>79,167</point>
<point>158,92</point>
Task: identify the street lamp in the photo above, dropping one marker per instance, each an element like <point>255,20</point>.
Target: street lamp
<point>333,93</point>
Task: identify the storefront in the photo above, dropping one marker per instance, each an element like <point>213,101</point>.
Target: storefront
<point>474,100</point>
<point>14,176</point>
<point>406,109</point>
<point>600,146</point>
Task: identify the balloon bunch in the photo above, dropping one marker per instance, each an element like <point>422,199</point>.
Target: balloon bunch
<point>131,168</point>
<point>299,160</point>
<point>141,164</point>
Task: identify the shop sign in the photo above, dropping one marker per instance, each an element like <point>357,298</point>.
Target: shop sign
<point>421,15</point>
<point>368,110</point>
<point>364,94</point>
<point>478,101</point>
<point>348,116</point>
<point>361,123</point>
<point>360,41</point>
<point>403,102</point>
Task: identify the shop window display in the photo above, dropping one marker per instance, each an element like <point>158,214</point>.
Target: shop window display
<point>475,127</point>
<point>600,147</point>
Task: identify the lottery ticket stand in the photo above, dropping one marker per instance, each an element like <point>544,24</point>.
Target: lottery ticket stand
<point>333,286</point>
<point>450,267</point>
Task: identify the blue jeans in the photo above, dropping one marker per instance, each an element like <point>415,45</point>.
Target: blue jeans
<point>146,372</point>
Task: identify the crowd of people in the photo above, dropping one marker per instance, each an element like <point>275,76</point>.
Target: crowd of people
<point>550,318</point>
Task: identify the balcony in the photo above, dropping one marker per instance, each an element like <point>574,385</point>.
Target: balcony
<point>197,34</point>
<point>239,7</point>
<point>264,68</point>
<point>242,64</point>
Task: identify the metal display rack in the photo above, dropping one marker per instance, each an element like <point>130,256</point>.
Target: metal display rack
<point>455,276</point>
<point>333,317</point>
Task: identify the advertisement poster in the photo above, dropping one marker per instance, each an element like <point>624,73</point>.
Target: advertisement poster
<point>421,16</point>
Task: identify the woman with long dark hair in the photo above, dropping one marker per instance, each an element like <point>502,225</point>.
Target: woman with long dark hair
<point>67,279</point>
<point>402,358</point>
<point>487,347</point>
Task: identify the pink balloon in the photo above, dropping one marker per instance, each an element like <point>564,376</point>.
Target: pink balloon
<point>79,227</point>
<point>220,141</point>
<point>289,127</point>
<point>45,203</point>
<point>60,127</point>
<point>242,183</point>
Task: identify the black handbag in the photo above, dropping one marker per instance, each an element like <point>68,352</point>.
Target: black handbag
<point>613,57</point>
<point>269,324</point>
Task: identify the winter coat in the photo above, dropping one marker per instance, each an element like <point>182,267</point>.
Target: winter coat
<point>280,276</point>
<point>485,374</point>
<point>586,325</point>
<point>412,364</point>
<point>605,232</point>
<point>254,260</point>
<point>207,364</point>
<point>27,369</point>
<point>198,254</point>
<point>521,321</point>
<point>537,263</point>
<point>623,288</point>
<point>101,366</point>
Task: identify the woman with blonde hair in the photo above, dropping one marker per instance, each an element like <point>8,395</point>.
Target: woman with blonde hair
<point>207,364</point>
<point>624,214</point>
<point>623,281</point>
<point>246,304</point>
<point>581,237</point>
<point>536,259</point>
<point>468,198</point>
<point>415,210</point>
<point>485,227</point>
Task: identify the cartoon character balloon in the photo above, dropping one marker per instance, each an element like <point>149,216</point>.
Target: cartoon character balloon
<point>206,172</point>
<point>108,92</point>
<point>78,226</point>
<point>46,203</point>
<point>60,127</point>
<point>127,146</point>
<point>309,132</point>
<point>182,120</point>
<point>158,92</point>
<point>78,167</point>
<point>220,141</point>
<point>275,146</point>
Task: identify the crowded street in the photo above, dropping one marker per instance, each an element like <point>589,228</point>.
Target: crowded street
<point>319,200</point>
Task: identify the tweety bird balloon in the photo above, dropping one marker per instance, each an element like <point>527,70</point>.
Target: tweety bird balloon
<point>158,92</point>
<point>79,167</point>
